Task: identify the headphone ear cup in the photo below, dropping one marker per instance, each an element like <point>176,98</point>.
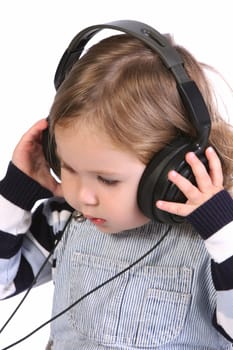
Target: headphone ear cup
<point>49,150</point>
<point>154,184</point>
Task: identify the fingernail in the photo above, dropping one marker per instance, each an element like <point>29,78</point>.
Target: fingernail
<point>191,154</point>
<point>172,173</point>
<point>159,204</point>
<point>210,149</point>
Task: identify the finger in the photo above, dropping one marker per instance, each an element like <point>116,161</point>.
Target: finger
<point>29,145</point>
<point>31,140</point>
<point>36,129</point>
<point>215,167</point>
<point>34,132</point>
<point>190,191</point>
<point>174,208</point>
<point>202,177</point>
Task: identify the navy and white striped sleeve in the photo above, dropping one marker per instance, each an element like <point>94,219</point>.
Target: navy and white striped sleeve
<point>214,222</point>
<point>26,238</point>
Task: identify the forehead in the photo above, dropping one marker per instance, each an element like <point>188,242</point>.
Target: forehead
<point>89,145</point>
<point>83,133</point>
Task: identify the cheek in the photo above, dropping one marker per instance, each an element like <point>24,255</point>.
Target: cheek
<point>68,189</point>
<point>126,209</point>
<point>69,196</point>
<point>122,202</point>
<point>126,215</point>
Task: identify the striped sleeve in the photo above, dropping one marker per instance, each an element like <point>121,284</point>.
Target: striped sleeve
<point>214,222</point>
<point>26,237</point>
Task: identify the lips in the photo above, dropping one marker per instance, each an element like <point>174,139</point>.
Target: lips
<point>96,221</point>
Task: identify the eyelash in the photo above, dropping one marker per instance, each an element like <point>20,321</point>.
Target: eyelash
<point>107,182</point>
<point>100,178</point>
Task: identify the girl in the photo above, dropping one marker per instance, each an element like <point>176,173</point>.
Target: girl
<point>135,283</point>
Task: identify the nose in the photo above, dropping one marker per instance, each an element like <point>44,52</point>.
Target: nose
<point>86,195</point>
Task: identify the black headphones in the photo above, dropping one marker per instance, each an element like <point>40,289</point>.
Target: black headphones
<point>154,184</point>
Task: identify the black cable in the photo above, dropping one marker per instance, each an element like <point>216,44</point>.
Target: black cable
<point>35,278</point>
<point>90,292</point>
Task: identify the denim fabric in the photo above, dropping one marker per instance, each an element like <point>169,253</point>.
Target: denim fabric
<point>167,301</point>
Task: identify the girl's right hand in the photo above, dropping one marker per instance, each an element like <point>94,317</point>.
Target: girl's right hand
<point>28,156</point>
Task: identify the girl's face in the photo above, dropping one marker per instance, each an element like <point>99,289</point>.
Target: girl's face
<point>99,179</point>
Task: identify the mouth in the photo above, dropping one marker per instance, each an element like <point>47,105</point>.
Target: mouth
<point>96,221</point>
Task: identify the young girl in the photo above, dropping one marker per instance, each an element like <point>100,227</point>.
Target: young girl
<point>136,283</point>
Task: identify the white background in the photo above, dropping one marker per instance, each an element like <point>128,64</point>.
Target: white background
<point>33,36</point>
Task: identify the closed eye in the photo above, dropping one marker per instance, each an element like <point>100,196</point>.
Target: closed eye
<point>108,181</point>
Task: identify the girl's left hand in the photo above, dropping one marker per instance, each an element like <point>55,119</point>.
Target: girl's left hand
<point>208,184</point>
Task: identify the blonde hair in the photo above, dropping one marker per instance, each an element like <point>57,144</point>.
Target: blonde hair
<point>122,87</point>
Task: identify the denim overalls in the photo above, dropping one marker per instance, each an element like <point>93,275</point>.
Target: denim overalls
<point>166,301</point>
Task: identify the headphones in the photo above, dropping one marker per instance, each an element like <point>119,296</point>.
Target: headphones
<point>153,184</point>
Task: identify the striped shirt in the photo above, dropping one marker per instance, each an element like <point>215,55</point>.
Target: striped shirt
<point>179,297</point>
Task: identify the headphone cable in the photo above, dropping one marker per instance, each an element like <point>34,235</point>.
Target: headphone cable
<point>36,277</point>
<point>91,291</point>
